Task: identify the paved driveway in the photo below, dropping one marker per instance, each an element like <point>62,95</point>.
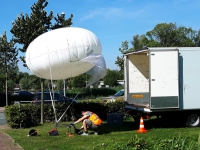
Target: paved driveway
<point>2,119</point>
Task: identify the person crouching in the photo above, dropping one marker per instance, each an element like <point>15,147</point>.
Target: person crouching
<point>90,121</point>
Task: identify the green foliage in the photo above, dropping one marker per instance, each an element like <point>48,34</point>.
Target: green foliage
<point>139,42</point>
<point>8,55</point>
<point>61,22</point>
<point>136,143</point>
<point>119,62</point>
<point>86,93</point>
<point>112,76</point>
<point>170,35</point>
<point>17,118</point>
<point>80,81</point>
<point>27,115</point>
<point>111,137</point>
<point>162,35</point>
<point>11,85</point>
<point>29,82</point>
<point>175,143</point>
<point>60,84</point>
<point>26,28</point>
<point>8,61</point>
<point>117,106</point>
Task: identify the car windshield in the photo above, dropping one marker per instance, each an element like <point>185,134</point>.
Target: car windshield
<point>120,93</point>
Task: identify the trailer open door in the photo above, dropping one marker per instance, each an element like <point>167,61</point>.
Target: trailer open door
<point>164,78</point>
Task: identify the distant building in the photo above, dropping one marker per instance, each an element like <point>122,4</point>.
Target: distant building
<point>17,87</point>
<point>121,82</point>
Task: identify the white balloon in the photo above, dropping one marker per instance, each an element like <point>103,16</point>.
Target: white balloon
<point>63,53</point>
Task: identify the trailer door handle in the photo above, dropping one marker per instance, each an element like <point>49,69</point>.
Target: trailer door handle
<point>152,79</point>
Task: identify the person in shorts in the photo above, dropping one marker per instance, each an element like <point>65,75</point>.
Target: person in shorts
<point>90,121</point>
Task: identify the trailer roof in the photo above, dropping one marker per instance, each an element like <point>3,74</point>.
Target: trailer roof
<point>161,48</point>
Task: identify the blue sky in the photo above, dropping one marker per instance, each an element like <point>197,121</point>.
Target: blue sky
<point>113,21</point>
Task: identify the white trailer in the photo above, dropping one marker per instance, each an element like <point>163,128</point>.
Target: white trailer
<point>163,81</point>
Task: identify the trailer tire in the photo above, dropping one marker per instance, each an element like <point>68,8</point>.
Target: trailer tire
<point>193,120</point>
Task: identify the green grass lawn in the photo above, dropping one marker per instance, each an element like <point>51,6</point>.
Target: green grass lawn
<point>111,137</point>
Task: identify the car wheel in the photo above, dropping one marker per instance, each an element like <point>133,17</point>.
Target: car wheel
<point>193,120</point>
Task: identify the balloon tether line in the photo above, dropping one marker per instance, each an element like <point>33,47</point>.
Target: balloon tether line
<point>53,105</point>
<point>67,108</point>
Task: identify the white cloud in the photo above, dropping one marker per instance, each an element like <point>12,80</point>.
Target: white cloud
<point>111,13</point>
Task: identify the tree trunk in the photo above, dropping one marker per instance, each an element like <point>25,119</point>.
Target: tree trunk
<point>6,90</point>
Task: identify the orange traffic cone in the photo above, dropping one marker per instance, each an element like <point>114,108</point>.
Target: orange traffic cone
<point>141,129</point>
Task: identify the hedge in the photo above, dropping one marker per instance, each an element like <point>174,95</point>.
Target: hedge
<point>28,115</point>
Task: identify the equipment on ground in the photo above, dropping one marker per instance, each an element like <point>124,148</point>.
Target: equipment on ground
<point>75,130</point>
<point>53,132</point>
<point>32,132</point>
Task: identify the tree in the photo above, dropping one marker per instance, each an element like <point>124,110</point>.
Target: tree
<point>138,42</point>
<point>163,35</point>
<point>8,60</point>
<point>171,35</point>
<point>80,81</point>
<point>29,82</point>
<point>11,85</point>
<point>26,28</point>
<point>111,77</point>
<point>61,22</point>
<point>119,62</point>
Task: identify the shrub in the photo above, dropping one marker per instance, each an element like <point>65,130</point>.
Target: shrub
<point>28,115</point>
<point>175,143</point>
<point>91,92</point>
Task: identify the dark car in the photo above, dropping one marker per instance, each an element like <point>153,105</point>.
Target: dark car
<point>24,93</point>
<point>55,97</point>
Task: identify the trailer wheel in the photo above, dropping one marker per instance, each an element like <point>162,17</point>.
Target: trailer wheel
<point>193,120</point>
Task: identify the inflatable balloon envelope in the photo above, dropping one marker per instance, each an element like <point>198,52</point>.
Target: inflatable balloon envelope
<point>66,52</point>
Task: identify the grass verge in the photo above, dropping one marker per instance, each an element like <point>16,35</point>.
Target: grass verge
<point>111,137</point>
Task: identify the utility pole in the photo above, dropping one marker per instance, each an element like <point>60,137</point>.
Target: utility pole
<point>42,101</point>
<point>64,88</point>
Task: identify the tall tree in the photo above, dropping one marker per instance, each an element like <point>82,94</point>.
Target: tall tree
<point>80,81</point>
<point>162,35</point>
<point>8,59</point>
<point>26,28</point>
<point>124,48</point>
<point>170,35</point>
<point>29,82</point>
<point>111,77</point>
<point>61,21</point>
<point>138,42</point>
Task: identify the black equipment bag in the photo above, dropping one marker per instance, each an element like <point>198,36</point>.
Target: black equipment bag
<point>32,132</point>
<point>76,131</point>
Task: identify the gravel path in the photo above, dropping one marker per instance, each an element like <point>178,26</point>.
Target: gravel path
<point>6,142</point>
